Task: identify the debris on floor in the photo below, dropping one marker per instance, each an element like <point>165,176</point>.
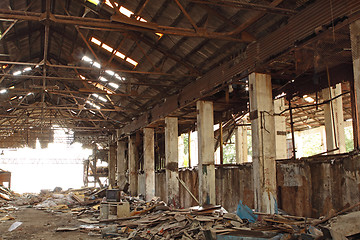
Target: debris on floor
<point>5,193</point>
<point>115,215</point>
<point>14,226</point>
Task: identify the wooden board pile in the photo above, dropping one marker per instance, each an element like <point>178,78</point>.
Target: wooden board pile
<point>5,193</point>
<point>155,220</point>
<point>202,223</point>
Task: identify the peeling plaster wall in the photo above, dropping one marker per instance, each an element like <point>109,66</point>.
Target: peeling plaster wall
<point>190,177</point>
<point>313,186</point>
<point>294,187</point>
<point>160,180</point>
<point>228,190</point>
<point>234,184</point>
<point>308,187</point>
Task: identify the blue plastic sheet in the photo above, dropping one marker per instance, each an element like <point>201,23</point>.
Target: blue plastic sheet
<point>244,212</point>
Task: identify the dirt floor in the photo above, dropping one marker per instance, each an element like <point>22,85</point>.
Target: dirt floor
<point>39,224</point>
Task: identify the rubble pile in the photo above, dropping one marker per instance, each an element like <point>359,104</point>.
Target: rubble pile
<point>135,218</point>
<point>5,194</point>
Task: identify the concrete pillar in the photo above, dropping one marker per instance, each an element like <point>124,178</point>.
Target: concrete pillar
<point>280,129</point>
<point>171,158</point>
<point>112,164</point>
<point>149,163</point>
<point>355,49</point>
<point>334,120</point>
<point>263,142</point>
<point>133,171</point>
<point>241,144</point>
<point>205,129</point>
<point>194,154</point>
<point>121,167</point>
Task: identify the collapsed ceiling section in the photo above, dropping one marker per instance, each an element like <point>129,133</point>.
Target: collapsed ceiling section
<point>99,65</point>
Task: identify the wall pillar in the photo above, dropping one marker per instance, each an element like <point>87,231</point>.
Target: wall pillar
<point>241,144</point>
<point>171,158</point>
<point>205,128</point>
<point>121,167</point>
<point>263,142</point>
<point>334,120</point>
<point>149,163</point>
<point>355,48</point>
<point>280,129</point>
<point>112,164</point>
<point>133,170</point>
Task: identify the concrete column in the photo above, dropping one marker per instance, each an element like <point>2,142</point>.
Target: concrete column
<point>171,158</point>
<point>133,171</point>
<point>112,164</point>
<point>241,144</point>
<point>149,163</point>
<point>263,141</point>
<point>334,120</point>
<point>205,129</point>
<point>355,49</point>
<point>280,129</point>
<point>121,167</point>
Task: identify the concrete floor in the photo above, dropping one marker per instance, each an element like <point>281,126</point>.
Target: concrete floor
<point>41,225</point>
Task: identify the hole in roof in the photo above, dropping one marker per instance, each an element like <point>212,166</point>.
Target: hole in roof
<point>126,11</point>
<point>96,41</point>
<point>86,59</point>
<point>107,2</point>
<point>103,79</point>
<point>114,85</point>
<point>111,73</point>
<point>96,2</point>
<point>107,47</point>
<point>97,65</point>
<point>131,61</point>
<point>120,55</point>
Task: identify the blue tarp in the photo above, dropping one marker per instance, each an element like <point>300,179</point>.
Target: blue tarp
<point>244,212</point>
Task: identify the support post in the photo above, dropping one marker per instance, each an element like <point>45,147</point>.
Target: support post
<point>205,128</point>
<point>355,49</point>
<point>221,144</point>
<point>280,129</point>
<point>133,171</point>
<point>189,147</point>
<point>121,165</point>
<point>241,144</point>
<point>112,164</point>
<point>263,142</point>
<point>334,120</point>
<point>149,163</point>
<point>171,158</point>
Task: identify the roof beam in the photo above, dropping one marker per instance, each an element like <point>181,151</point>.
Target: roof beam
<point>299,27</point>
<point>250,6</point>
<point>118,23</point>
<point>99,70</point>
<point>72,107</point>
<point>8,29</point>
<point>196,28</point>
<point>87,80</point>
<point>167,54</point>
